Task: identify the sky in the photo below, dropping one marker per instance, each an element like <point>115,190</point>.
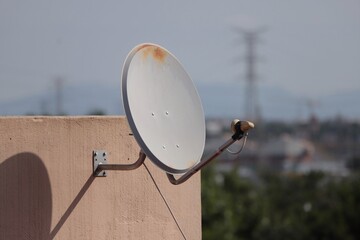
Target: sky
<point>309,48</point>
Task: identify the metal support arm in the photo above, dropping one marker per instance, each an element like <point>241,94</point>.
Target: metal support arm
<point>239,128</point>
<point>200,165</point>
<point>104,166</point>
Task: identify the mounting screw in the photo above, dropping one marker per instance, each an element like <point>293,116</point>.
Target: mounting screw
<point>95,153</point>
<point>104,154</point>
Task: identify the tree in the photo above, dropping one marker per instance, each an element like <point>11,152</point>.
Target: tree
<point>309,206</point>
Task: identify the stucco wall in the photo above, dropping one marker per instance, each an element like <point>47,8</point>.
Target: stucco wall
<point>47,190</point>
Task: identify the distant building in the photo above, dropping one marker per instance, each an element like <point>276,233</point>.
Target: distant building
<point>286,150</point>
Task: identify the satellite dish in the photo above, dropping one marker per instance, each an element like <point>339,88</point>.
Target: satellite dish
<point>163,108</point>
<point>165,114</point>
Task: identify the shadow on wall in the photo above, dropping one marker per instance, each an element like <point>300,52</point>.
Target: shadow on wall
<point>25,198</point>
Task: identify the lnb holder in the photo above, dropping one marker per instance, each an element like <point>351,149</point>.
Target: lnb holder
<point>239,128</point>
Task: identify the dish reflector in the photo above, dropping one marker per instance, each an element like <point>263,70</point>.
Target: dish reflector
<point>163,108</point>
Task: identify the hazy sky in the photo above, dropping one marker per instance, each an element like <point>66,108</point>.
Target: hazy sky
<point>310,47</point>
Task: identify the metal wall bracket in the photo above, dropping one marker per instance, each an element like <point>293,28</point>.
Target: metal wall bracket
<point>100,163</point>
<point>99,157</point>
<point>238,127</point>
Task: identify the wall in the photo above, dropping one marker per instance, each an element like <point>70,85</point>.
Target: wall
<point>47,190</point>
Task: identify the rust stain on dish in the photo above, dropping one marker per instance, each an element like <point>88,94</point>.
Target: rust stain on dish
<point>143,46</point>
<point>145,50</point>
<point>157,53</point>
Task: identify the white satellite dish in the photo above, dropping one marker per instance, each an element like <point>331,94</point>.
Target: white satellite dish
<point>163,108</point>
<point>165,114</point>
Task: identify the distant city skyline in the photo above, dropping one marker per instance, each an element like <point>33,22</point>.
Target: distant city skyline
<point>219,101</point>
<point>310,48</point>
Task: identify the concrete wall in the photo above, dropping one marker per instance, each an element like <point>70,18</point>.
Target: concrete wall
<point>47,190</point>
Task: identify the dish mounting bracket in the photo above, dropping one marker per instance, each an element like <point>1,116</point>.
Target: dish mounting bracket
<point>99,158</point>
<point>100,164</point>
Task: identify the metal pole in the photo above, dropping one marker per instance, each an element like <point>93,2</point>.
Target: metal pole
<point>200,165</point>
